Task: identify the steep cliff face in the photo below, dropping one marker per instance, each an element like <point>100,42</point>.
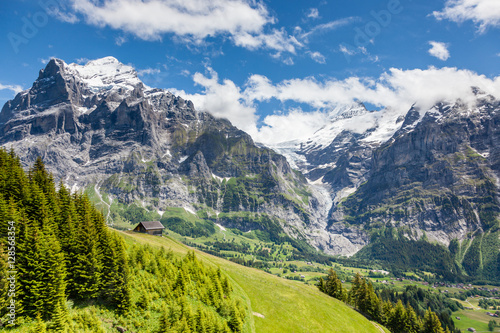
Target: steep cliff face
<point>430,174</point>
<point>99,126</point>
<point>438,179</point>
<point>337,160</point>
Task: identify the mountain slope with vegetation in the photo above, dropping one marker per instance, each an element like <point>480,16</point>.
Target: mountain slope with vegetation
<point>279,305</point>
<point>60,256</point>
<point>76,275</point>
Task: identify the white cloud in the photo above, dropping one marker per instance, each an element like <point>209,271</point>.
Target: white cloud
<point>332,25</point>
<point>484,13</point>
<point>439,50</point>
<point>313,13</point>
<point>396,90</point>
<point>318,57</point>
<point>278,40</point>
<point>45,61</point>
<point>148,71</point>
<point>13,87</point>
<point>288,61</point>
<point>223,100</point>
<point>120,40</point>
<point>82,61</point>
<point>198,18</point>
<point>244,21</point>
<point>350,51</point>
<point>277,127</point>
<point>346,51</point>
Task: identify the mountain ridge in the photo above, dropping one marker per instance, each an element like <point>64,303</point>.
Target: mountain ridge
<point>101,127</point>
<point>146,146</point>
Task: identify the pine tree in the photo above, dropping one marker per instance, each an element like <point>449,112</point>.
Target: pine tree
<point>31,270</point>
<point>332,286</point>
<point>183,326</point>
<point>431,323</point>
<point>201,321</point>
<point>396,322</point>
<point>372,303</point>
<point>235,323</point>
<point>87,262</point>
<point>54,280</point>
<point>386,313</point>
<point>66,221</point>
<point>40,325</point>
<point>354,292</point>
<point>59,317</point>
<point>4,285</point>
<point>164,322</point>
<point>412,322</point>
<point>4,246</point>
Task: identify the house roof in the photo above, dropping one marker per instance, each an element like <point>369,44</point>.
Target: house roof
<point>151,225</point>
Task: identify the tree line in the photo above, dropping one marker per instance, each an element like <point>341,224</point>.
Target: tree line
<point>397,316</point>
<point>61,244</point>
<point>65,256</point>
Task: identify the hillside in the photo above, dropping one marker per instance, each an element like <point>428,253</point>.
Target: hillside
<point>287,306</point>
<point>68,272</point>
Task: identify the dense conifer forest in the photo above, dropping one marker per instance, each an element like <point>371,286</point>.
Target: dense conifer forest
<point>64,270</point>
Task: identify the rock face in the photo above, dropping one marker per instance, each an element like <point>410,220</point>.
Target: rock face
<point>432,174</point>
<point>98,126</point>
<point>429,174</point>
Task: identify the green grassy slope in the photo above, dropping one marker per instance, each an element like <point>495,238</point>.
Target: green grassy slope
<point>287,306</point>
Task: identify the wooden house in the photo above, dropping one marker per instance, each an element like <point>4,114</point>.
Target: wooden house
<point>150,227</point>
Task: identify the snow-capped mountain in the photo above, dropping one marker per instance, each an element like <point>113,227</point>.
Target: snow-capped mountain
<point>99,128</point>
<point>428,174</point>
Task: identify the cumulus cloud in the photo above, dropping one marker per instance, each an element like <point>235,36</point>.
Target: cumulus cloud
<point>394,91</point>
<point>245,22</point>
<point>439,50</point>
<point>277,40</point>
<point>484,13</point>
<point>12,87</point>
<point>276,127</point>
<point>222,99</point>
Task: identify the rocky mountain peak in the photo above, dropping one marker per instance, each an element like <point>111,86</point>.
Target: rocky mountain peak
<point>103,75</point>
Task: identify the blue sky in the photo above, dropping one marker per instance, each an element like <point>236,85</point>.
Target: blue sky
<point>266,65</point>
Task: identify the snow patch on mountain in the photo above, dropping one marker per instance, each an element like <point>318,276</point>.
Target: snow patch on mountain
<point>105,74</point>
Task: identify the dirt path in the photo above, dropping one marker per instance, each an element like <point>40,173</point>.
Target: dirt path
<point>472,306</point>
<point>378,327</point>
